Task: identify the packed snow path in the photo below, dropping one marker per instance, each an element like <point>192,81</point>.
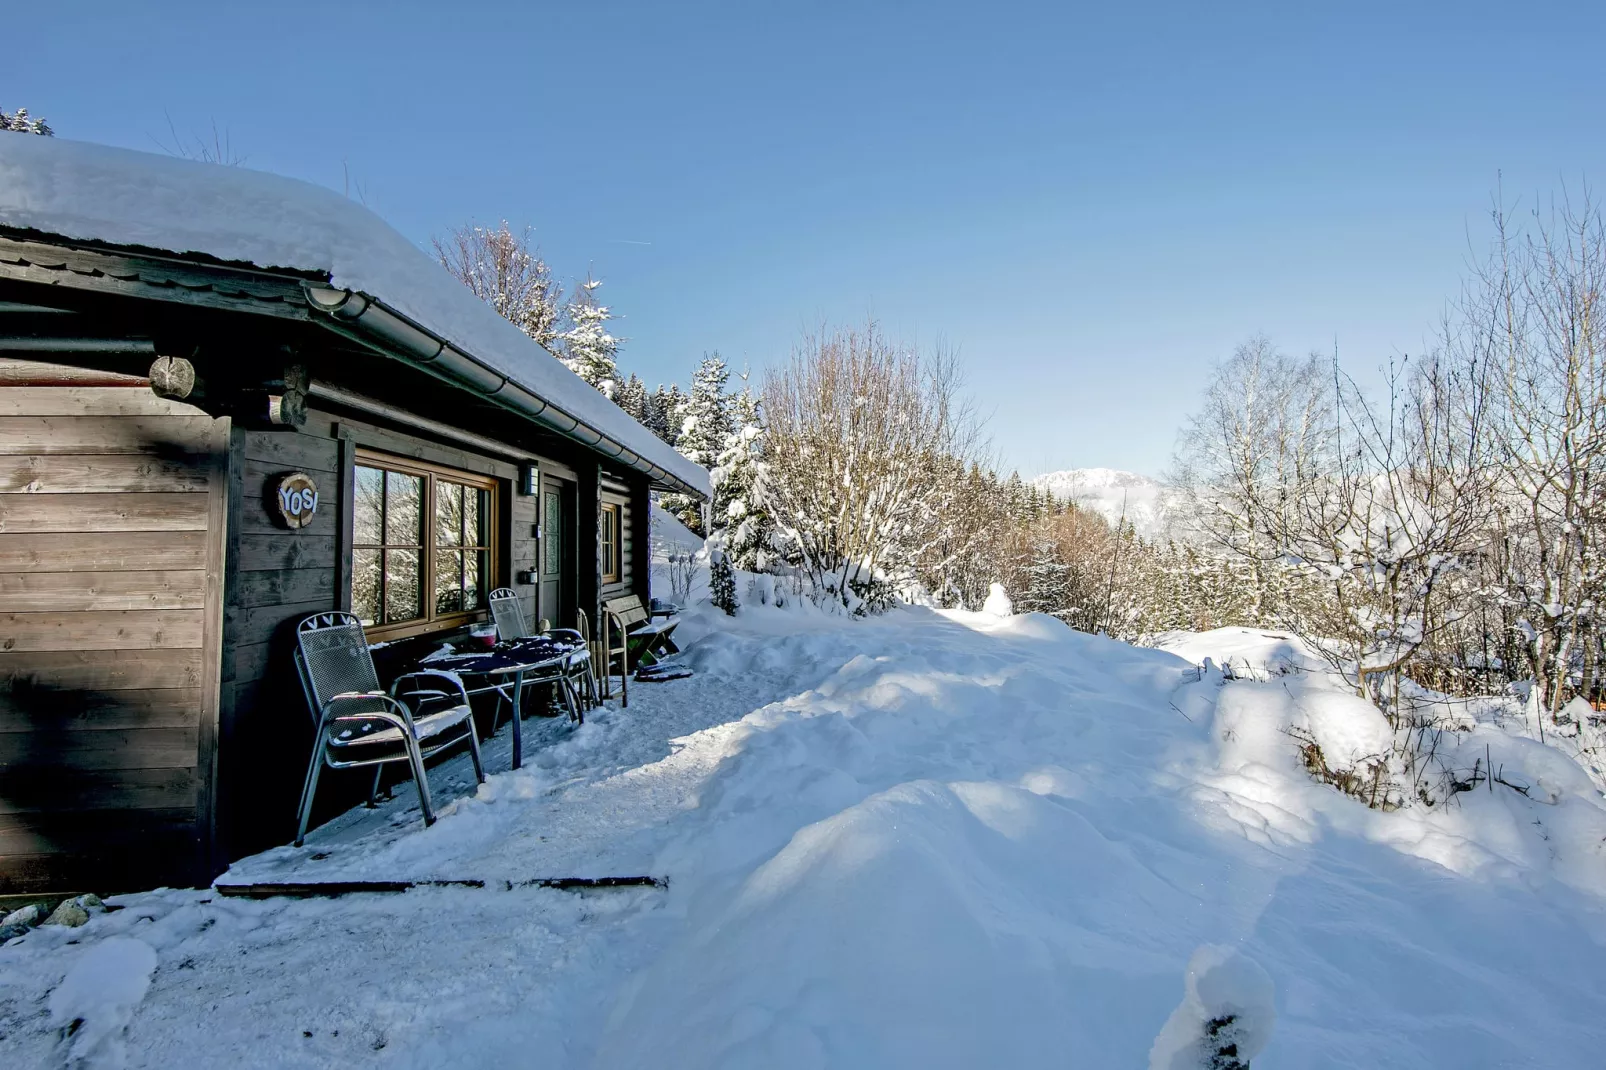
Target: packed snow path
<point>941,840</point>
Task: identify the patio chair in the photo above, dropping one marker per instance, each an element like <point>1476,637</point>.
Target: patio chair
<point>508,614</point>
<point>360,724</point>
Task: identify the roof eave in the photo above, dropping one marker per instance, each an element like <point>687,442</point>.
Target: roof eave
<point>369,320</point>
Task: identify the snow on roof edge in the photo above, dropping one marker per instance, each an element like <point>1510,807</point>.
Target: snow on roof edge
<point>123,197</point>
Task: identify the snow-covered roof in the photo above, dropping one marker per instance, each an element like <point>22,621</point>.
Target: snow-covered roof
<point>87,192</point>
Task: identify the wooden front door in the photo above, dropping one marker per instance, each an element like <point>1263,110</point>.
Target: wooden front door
<point>556,601</point>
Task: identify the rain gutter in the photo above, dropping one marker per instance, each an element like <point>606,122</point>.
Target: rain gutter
<point>361,317</point>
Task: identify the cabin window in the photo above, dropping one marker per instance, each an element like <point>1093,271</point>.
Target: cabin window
<point>610,543</point>
<point>423,556</point>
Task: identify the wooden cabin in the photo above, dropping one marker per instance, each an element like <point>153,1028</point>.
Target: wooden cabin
<point>229,400</point>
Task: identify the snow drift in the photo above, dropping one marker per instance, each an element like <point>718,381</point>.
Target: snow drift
<point>927,839</point>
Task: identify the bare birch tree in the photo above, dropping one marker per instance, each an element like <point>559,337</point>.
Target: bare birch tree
<point>1265,421</point>
<point>1532,320</point>
<point>506,271</point>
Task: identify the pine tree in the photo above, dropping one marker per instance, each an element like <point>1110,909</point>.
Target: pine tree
<point>738,477</point>
<point>705,424</point>
<point>654,415</point>
<point>632,397</point>
<point>586,347</point>
<point>19,122</point>
<point>705,421</point>
<point>721,581</point>
<point>672,405</point>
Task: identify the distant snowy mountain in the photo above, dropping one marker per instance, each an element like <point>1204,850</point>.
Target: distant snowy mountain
<point>1111,493</point>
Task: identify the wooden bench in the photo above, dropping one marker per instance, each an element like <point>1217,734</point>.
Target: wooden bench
<point>634,635</point>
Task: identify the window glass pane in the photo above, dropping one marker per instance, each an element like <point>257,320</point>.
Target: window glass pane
<point>365,585</point>
<point>476,578</point>
<point>448,513</point>
<point>551,527</point>
<point>476,509</point>
<point>367,507</point>
<point>402,601</point>
<point>404,497</point>
<point>610,542</point>
<point>449,581</point>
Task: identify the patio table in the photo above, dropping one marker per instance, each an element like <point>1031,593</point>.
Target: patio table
<point>513,659</point>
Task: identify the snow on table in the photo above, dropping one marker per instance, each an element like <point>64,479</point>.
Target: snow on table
<point>928,839</point>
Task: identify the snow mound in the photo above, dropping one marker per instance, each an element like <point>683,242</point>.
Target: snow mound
<point>998,603</point>
<point>95,1002</point>
<point>928,838</point>
<point>932,924</point>
<point>1225,1018</point>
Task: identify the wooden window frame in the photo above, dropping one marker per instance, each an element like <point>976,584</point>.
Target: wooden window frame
<point>612,551</point>
<point>432,621</point>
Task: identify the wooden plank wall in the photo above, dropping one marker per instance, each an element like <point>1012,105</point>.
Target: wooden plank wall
<point>109,499</point>
<point>279,577</point>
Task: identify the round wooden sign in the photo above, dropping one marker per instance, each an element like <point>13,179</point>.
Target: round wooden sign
<point>296,499</point>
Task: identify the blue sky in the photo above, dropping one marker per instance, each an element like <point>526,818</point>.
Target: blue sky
<point>1091,203</point>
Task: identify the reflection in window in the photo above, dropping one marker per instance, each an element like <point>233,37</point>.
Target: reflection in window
<point>552,525</point>
<point>397,557</point>
<point>462,547</point>
<point>609,537</point>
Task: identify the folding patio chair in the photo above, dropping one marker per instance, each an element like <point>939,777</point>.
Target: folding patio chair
<point>360,724</point>
<point>508,614</point>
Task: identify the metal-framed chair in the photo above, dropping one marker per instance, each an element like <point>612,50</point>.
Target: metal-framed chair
<point>508,614</point>
<point>360,724</point>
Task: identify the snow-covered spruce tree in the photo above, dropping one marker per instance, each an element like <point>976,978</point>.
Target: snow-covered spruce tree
<point>1062,567</point>
<point>632,397</point>
<point>705,421</point>
<point>721,581</point>
<point>741,475</point>
<point>705,424</point>
<point>664,409</point>
<point>505,270</point>
<point>21,122</point>
<point>586,348</point>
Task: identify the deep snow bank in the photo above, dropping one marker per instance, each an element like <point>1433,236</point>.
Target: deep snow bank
<point>1006,843</point>
<point>927,839</point>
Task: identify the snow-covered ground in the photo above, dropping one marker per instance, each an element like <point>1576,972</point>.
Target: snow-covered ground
<point>935,839</point>
<point>1113,494</point>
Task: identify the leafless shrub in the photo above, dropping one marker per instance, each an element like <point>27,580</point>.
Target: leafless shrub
<point>861,433</point>
<point>1366,779</point>
<point>215,146</point>
<point>1530,320</point>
